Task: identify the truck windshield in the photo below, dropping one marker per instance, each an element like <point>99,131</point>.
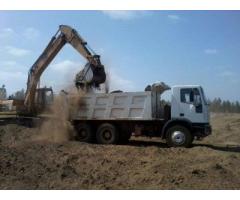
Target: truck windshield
<point>204,97</point>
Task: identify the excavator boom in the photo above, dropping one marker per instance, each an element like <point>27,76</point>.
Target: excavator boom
<point>92,75</point>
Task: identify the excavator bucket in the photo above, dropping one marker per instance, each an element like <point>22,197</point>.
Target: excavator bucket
<point>90,76</point>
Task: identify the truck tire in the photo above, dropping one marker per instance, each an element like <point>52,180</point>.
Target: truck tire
<point>107,134</point>
<point>179,136</point>
<point>84,133</point>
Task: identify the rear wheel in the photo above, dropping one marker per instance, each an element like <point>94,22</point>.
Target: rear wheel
<point>107,134</point>
<point>179,136</point>
<point>84,133</point>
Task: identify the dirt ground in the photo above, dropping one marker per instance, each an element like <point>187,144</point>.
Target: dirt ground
<point>30,161</point>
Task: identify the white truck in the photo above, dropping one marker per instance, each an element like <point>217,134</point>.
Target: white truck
<point>111,118</point>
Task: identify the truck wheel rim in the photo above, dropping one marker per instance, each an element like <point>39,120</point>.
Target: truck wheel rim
<point>107,135</point>
<point>178,137</point>
<point>82,134</point>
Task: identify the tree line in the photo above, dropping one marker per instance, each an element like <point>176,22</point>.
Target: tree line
<point>216,105</point>
<point>19,95</point>
<point>224,106</point>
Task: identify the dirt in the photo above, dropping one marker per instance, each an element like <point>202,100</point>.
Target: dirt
<point>27,162</point>
<point>57,127</point>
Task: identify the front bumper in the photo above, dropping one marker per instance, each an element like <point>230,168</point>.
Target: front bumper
<point>207,130</point>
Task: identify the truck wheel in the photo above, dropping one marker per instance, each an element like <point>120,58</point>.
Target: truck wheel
<point>179,136</point>
<point>84,133</point>
<point>107,134</point>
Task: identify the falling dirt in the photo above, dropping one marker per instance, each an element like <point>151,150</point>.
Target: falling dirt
<point>56,127</point>
<point>143,163</point>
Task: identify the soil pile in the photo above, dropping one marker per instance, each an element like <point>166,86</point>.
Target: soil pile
<point>27,163</point>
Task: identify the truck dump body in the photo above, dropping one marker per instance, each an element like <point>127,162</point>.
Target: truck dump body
<point>116,106</point>
<point>114,117</point>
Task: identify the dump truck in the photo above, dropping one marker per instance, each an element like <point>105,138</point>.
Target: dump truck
<point>112,118</point>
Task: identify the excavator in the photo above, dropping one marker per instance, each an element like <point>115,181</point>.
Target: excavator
<point>91,76</point>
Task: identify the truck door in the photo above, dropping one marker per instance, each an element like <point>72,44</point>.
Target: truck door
<point>191,106</point>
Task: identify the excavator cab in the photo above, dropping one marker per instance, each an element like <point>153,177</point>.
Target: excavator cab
<point>44,99</point>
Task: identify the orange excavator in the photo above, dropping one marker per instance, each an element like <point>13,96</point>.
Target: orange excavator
<point>37,99</point>
<point>91,76</point>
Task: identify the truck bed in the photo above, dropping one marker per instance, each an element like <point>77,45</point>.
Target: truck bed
<point>116,106</point>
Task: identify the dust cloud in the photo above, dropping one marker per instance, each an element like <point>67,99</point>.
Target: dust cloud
<point>56,127</point>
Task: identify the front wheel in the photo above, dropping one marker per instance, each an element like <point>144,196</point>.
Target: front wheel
<point>179,136</point>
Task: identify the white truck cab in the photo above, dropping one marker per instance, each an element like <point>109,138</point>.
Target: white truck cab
<point>189,116</point>
<point>189,102</point>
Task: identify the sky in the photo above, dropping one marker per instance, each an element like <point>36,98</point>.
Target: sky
<point>137,48</point>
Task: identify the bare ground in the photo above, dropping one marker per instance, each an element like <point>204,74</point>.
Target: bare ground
<point>29,161</point>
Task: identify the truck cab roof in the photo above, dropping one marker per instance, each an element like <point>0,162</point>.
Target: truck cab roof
<point>186,86</point>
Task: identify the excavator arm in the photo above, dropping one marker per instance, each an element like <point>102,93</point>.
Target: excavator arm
<point>92,75</point>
